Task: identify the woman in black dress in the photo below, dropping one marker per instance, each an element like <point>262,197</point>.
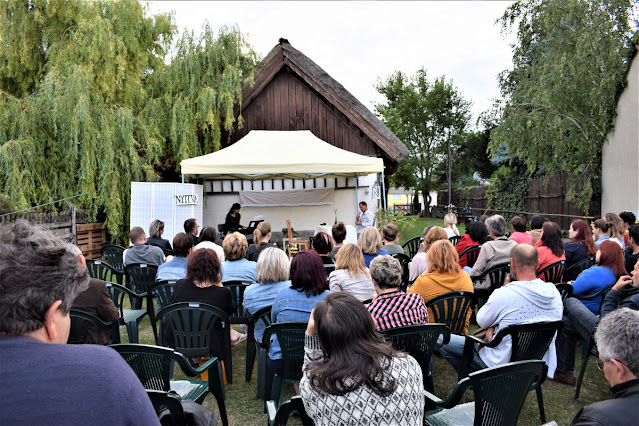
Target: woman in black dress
<point>233,219</point>
<point>203,284</point>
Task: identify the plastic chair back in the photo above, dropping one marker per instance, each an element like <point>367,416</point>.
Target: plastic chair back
<point>411,246</point>
<point>290,336</point>
<point>140,277</point>
<point>403,261</point>
<point>574,270</point>
<point>454,239</point>
<point>114,256</point>
<point>262,317</point>
<point>553,273</point>
<point>531,341</point>
<point>82,321</point>
<point>419,341</point>
<point>496,275</point>
<point>240,316</point>
<point>500,392</point>
<point>565,290</point>
<point>164,400</point>
<point>152,364</point>
<point>102,271</point>
<point>452,309</point>
<point>191,325</point>
<point>471,253</point>
<point>162,291</point>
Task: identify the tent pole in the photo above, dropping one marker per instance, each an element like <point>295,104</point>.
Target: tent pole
<point>383,194</point>
<point>182,177</point>
<point>356,196</point>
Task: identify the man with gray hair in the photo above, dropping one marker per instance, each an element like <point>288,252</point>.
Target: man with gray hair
<point>492,253</point>
<point>617,340</point>
<point>392,307</point>
<point>45,381</point>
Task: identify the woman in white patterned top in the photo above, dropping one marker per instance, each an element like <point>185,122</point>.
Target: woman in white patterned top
<point>351,375</point>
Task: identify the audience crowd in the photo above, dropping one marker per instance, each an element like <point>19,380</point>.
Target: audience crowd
<point>347,363</point>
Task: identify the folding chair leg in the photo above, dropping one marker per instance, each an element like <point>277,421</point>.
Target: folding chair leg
<point>216,387</point>
<point>276,389</point>
<point>132,332</point>
<point>261,374</point>
<point>250,355</point>
<point>585,354</point>
<point>540,401</point>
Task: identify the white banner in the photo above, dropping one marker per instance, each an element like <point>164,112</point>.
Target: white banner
<point>300,197</point>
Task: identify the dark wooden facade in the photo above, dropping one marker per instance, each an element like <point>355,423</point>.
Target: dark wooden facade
<point>291,92</point>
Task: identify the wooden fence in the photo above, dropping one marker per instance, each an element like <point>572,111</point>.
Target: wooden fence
<point>547,199</point>
<point>68,224</point>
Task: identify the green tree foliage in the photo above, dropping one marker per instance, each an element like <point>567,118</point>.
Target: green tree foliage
<point>427,117</point>
<point>508,190</point>
<point>89,104</point>
<point>569,63</point>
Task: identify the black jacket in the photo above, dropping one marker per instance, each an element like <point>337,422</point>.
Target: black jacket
<point>621,410</point>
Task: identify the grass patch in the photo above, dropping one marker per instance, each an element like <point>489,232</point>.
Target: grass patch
<point>244,409</point>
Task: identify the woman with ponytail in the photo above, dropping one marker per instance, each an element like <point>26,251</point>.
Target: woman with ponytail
<point>261,237</point>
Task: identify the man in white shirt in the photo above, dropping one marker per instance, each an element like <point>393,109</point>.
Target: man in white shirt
<point>365,219</point>
<point>526,299</point>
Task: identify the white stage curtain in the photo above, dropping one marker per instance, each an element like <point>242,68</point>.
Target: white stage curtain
<point>298,197</point>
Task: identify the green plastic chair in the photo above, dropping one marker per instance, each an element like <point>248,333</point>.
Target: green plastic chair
<point>499,394</point>
<point>114,256</point>
<point>290,336</point>
<point>553,273</point>
<point>191,326</point>
<point>574,270</point>
<point>153,365</point>
<point>587,349</point>
<point>411,246</point>
<point>241,316</point>
<point>167,400</point>
<point>454,240</point>
<point>139,278</point>
<point>162,291</point>
<point>404,262</point>
<point>565,290</point>
<point>131,318</point>
<point>278,416</point>
<point>601,294</point>
<point>496,275</point>
<point>419,341</point>
<point>81,322</point>
<point>260,349</point>
<point>529,342</point>
<point>103,271</point>
<point>471,253</point>
<point>451,309</point>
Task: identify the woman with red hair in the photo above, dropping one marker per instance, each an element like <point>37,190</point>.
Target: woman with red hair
<point>610,266</point>
<point>581,246</point>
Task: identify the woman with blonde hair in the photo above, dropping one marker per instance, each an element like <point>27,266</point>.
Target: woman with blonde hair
<point>371,244</point>
<point>419,264</point>
<point>444,275</point>
<point>616,229</point>
<point>236,267</point>
<point>351,274</point>
<point>272,276</point>
<point>450,221</point>
<point>261,238</point>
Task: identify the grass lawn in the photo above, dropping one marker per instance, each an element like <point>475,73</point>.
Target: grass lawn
<point>244,409</point>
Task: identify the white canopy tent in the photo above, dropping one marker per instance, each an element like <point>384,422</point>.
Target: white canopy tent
<point>269,154</point>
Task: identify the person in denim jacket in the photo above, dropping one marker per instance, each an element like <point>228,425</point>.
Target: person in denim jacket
<point>272,276</point>
<point>295,303</point>
<point>175,269</point>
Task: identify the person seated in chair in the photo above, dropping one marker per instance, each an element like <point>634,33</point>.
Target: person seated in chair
<point>339,235</point>
<point>323,244</point>
<point>175,269</point>
<point>96,301</point>
<point>141,252</point>
<point>233,217</point>
<point>261,241</point>
<point>389,239</point>
<point>191,228</point>
<point>492,253</point>
<point>628,219</point>
<point>155,237</point>
<point>207,240</point>
<point>392,307</point>
<point>618,345</point>
<point>524,300</point>
<point>236,267</point>
<point>632,251</point>
<point>519,235</point>
<point>45,381</point>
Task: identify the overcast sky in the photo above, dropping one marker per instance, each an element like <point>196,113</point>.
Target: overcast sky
<point>358,43</point>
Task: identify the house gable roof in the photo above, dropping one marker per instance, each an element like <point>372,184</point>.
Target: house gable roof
<point>283,54</point>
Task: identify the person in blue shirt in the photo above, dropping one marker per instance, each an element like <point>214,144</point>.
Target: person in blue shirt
<point>371,244</point>
<point>610,266</point>
<point>272,276</point>
<point>236,267</point>
<point>175,269</point>
<point>295,303</point>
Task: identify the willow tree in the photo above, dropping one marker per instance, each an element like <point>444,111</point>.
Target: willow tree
<point>569,64</point>
<point>90,102</point>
